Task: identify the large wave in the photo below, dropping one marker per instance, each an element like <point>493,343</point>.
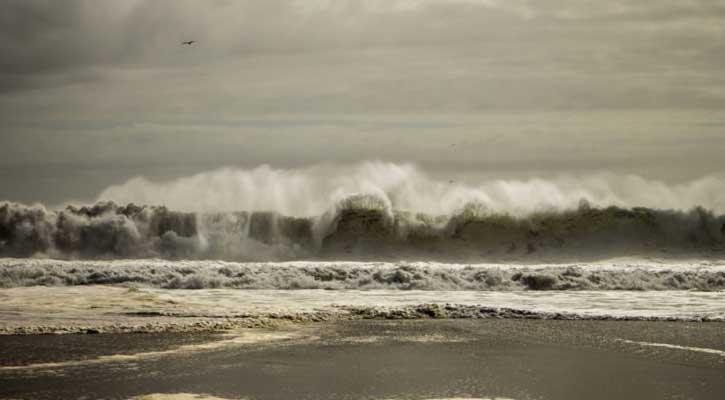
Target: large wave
<point>375,210</point>
<point>358,228</point>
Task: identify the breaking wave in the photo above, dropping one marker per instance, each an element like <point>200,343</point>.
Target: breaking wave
<point>313,191</point>
<point>360,228</point>
<point>375,211</point>
<point>364,275</point>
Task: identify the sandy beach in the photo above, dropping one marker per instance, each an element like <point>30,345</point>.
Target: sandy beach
<point>517,359</point>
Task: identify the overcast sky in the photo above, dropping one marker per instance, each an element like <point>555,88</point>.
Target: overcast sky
<point>95,92</point>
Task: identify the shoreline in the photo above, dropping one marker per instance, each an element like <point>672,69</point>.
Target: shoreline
<point>118,309</point>
<point>169,323</point>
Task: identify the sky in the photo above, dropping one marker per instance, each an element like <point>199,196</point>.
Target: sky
<point>94,93</point>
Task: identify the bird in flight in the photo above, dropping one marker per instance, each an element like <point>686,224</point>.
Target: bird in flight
<point>189,43</point>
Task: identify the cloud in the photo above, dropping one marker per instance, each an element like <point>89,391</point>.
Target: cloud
<point>464,55</point>
<point>94,85</point>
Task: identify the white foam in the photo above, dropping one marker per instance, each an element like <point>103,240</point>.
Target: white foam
<point>617,304</point>
<point>313,190</point>
<point>104,306</point>
<point>617,274</point>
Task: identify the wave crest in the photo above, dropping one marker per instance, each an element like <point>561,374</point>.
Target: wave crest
<point>312,191</point>
<point>359,228</point>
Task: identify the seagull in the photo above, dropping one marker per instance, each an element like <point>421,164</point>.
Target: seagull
<point>189,43</point>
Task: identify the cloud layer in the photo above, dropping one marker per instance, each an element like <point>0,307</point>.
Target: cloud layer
<point>486,54</point>
<point>104,88</point>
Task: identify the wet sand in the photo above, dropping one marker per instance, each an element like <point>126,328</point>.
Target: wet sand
<point>369,359</point>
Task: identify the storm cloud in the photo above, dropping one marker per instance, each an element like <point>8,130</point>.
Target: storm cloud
<point>93,93</point>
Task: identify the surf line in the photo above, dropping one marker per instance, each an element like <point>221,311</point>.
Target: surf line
<point>674,346</point>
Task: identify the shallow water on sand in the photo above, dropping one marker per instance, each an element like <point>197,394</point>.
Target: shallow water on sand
<point>617,304</point>
<point>102,306</point>
<point>411,360</point>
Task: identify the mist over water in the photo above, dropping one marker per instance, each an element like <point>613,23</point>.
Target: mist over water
<point>312,191</point>
<point>377,226</point>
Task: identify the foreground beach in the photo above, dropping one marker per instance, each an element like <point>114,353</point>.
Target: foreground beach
<point>373,359</point>
<point>115,330</point>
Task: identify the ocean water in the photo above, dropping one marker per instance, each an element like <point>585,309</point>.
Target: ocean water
<point>618,274</point>
<point>364,256</point>
<point>36,291</point>
<point>360,228</point>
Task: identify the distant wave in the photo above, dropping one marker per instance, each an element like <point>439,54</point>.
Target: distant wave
<point>363,275</point>
<point>361,227</point>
